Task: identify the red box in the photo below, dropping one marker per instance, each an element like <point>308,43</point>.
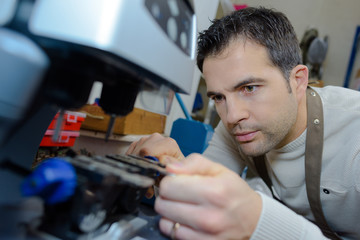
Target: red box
<point>66,139</point>
<point>70,128</point>
<point>71,122</point>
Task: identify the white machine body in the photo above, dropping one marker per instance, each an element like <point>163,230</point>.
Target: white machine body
<point>113,26</point>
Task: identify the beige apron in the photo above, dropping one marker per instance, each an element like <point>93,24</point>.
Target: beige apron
<point>313,158</point>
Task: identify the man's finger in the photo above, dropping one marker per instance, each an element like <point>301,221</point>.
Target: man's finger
<point>131,148</point>
<point>207,190</point>
<point>196,164</point>
<point>166,159</point>
<point>181,231</point>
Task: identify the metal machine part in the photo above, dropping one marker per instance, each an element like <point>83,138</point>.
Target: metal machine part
<point>117,26</point>
<point>127,45</point>
<point>51,53</point>
<point>117,42</point>
<point>7,11</point>
<point>18,52</point>
<point>106,200</point>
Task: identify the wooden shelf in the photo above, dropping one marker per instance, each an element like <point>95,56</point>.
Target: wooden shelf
<point>113,137</point>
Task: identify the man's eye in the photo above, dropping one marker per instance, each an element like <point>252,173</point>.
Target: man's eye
<point>217,98</point>
<point>249,89</point>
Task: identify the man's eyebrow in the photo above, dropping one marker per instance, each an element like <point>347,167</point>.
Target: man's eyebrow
<point>210,93</point>
<point>247,81</point>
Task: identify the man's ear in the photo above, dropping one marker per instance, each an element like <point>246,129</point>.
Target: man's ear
<point>300,79</point>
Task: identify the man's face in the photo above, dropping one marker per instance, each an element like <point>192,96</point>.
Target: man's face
<point>251,97</point>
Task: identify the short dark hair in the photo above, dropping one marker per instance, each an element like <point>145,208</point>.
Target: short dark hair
<point>266,27</point>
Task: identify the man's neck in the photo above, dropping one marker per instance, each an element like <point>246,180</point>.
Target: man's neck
<point>300,125</point>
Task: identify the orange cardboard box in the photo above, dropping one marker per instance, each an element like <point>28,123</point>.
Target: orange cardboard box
<point>138,122</point>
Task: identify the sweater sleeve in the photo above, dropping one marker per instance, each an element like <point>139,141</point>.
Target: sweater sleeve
<point>222,149</point>
<point>279,222</point>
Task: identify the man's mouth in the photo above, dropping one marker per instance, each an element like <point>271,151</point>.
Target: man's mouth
<point>245,136</point>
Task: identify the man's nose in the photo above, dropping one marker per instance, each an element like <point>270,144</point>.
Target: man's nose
<point>236,111</point>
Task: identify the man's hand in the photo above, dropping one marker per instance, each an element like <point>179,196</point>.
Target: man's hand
<point>157,146</point>
<point>163,148</point>
<point>208,200</point>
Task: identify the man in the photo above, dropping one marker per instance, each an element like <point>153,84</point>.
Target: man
<point>251,63</point>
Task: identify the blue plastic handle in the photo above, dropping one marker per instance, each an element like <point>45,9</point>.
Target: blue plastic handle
<point>54,180</point>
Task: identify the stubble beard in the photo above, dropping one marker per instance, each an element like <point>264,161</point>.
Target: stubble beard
<point>261,146</point>
<point>268,138</point>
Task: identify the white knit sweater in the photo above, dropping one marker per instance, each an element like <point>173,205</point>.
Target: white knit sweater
<point>340,177</point>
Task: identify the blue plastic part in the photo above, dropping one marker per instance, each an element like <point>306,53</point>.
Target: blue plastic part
<point>191,136</point>
<point>54,180</point>
<point>198,103</point>
<point>152,158</point>
<point>97,101</point>
<point>354,50</point>
<point>182,105</point>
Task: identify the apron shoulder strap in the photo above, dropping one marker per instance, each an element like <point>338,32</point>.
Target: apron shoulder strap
<point>313,159</point>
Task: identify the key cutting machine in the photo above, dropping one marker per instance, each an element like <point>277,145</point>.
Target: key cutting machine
<point>51,53</point>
